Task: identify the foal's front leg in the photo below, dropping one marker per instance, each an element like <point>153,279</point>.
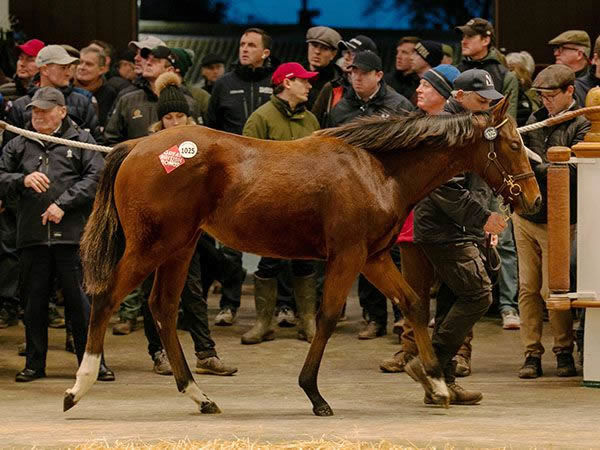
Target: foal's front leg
<point>339,275</point>
<point>164,304</point>
<point>381,271</point>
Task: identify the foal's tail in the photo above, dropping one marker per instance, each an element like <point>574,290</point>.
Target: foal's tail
<point>103,241</point>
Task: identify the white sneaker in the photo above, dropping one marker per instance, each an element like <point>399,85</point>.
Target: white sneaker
<point>511,320</point>
<point>226,317</point>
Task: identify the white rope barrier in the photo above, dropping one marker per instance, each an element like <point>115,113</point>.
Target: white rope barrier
<point>44,137</point>
<point>563,117</point>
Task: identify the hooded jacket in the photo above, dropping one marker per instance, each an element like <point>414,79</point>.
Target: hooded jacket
<point>276,121</point>
<point>135,111</point>
<point>385,102</point>
<point>236,95</point>
<point>73,175</point>
<point>455,211</point>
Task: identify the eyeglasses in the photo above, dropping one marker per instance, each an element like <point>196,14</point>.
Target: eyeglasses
<point>561,48</point>
<point>548,97</point>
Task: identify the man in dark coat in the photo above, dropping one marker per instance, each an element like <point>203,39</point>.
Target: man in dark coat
<point>235,96</point>
<point>54,186</point>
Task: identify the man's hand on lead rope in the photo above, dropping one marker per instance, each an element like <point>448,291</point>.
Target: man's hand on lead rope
<point>495,224</point>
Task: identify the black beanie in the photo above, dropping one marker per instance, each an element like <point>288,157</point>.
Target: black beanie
<point>170,95</point>
<point>430,51</point>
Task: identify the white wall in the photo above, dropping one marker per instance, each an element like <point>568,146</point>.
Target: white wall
<point>4,22</point>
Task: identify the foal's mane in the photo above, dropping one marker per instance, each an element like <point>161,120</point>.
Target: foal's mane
<point>377,134</point>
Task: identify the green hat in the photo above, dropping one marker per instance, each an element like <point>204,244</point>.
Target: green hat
<point>597,46</point>
<point>577,37</point>
<point>553,77</point>
<point>184,59</point>
<point>448,50</point>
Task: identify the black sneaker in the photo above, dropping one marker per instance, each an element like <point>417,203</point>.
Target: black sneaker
<point>565,365</point>
<point>27,375</point>
<point>532,368</point>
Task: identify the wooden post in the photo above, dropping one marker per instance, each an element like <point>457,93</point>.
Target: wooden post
<point>559,239</point>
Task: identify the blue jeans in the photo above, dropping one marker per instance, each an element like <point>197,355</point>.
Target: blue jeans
<point>508,279</point>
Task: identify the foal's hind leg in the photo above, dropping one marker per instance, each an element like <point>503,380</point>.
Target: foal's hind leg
<point>169,281</point>
<point>340,274</point>
<point>130,272</point>
<point>383,273</point>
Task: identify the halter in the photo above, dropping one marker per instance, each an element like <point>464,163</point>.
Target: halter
<point>508,180</point>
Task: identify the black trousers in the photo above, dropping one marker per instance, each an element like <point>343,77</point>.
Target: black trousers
<point>39,265</point>
<point>233,278</point>
<point>272,267</point>
<point>9,264</point>
<point>373,302</point>
<point>466,296</point>
<point>195,313</point>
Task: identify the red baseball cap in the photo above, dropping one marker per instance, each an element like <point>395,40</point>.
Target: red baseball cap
<point>291,70</point>
<point>31,47</point>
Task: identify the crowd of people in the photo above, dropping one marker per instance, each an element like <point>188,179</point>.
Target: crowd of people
<point>98,95</point>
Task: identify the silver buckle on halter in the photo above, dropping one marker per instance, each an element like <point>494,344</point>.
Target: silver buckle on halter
<point>490,133</point>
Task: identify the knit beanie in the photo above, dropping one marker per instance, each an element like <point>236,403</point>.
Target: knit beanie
<point>170,95</point>
<point>442,78</point>
<point>430,51</point>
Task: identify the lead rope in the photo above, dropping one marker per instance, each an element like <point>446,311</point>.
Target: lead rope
<point>564,117</point>
<point>44,137</point>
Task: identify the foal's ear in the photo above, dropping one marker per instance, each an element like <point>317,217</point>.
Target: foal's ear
<point>499,110</point>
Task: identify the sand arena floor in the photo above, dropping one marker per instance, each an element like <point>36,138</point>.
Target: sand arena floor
<point>263,403</point>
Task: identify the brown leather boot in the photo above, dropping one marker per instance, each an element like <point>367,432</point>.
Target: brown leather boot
<point>463,365</point>
<point>124,327</point>
<point>372,330</point>
<point>213,366</point>
<point>396,363</point>
<point>458,396</point>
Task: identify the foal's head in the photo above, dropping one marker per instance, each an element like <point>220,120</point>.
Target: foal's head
<point>502,161</point>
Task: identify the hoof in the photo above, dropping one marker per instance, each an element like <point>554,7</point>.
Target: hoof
<point>323,410</point>
<point>435,388</point>
<point>209,408</point>
<point>68,402</point>
<point>441,400</point>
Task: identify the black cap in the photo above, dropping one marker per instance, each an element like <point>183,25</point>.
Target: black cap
<point>477,26</point>
<point>159,52</point>
<point>431,51</point>
<point>358,44</point>
<point>367,61</point>
<point>212,58</point>
<point>126,55</point>
<point>477,80</point>
<point>47,98</point>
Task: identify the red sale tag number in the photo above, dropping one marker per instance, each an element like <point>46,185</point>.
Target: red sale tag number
<point>171,159</point>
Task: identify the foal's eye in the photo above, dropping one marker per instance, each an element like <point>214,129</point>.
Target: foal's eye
<point>515,146</point>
